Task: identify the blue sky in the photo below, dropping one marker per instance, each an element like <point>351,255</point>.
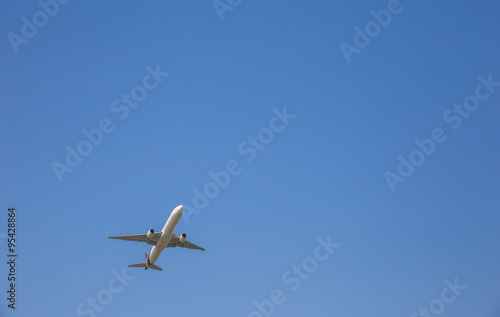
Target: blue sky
<point>320,175</point>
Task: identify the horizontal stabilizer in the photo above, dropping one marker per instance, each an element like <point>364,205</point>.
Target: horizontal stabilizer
<point>143,264</point>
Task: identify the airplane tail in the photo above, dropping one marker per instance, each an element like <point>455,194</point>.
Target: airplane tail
<point>143,264</point>
<point>146,264</point>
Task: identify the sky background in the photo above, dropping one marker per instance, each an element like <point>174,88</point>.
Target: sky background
<point>323,175</point>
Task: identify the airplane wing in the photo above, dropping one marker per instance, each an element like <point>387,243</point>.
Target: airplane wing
<point>141,238</point>
<point>174,242</point>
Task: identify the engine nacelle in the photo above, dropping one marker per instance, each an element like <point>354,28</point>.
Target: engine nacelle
<point>151,234</point>
<point>182,238</point>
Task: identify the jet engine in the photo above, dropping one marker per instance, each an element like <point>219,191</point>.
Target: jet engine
<point>150,233</point>
<point>182,238</point>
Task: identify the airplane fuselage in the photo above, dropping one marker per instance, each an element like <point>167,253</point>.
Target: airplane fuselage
<point>166,235</point>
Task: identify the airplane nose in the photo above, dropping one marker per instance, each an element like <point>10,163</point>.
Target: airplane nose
<point>179,209</point>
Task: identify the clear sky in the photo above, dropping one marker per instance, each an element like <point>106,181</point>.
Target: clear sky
<point>359,153</point>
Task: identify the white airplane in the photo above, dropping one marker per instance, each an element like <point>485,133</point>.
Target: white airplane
<point>161,240</point>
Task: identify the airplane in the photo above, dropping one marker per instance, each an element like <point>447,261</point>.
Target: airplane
<point>166,238</point>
